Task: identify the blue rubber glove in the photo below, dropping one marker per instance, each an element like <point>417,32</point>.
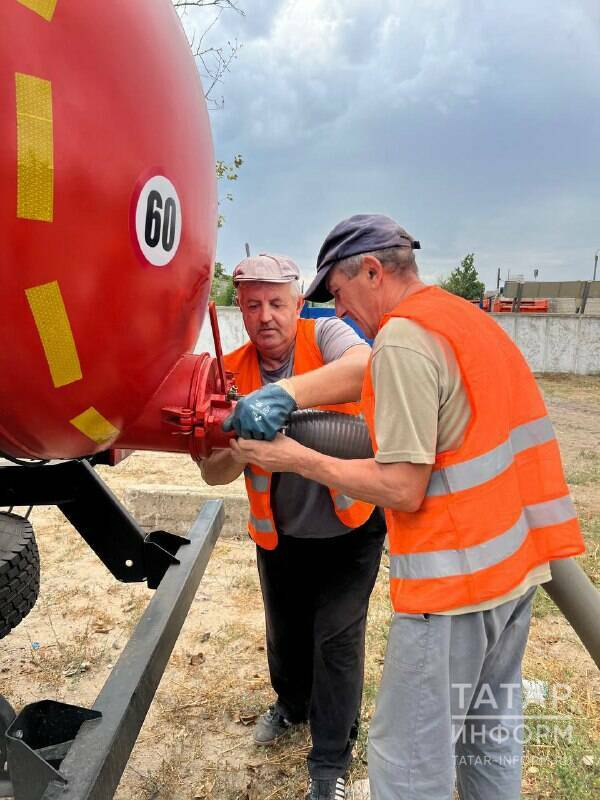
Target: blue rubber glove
<point>261,414</point>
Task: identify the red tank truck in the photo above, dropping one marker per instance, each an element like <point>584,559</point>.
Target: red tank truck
<point>108,219</point>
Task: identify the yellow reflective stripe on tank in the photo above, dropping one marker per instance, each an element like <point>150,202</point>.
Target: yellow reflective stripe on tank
<point>45,8</point>
<point>35,148</point>
<point>448,563</point>
<point>96,427</point>
<point>261,525</point>
<point>479,470</point>
<point>53,326</point>
<point>260,483</point>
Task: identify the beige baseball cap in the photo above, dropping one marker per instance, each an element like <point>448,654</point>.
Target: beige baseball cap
<point>266,267</point>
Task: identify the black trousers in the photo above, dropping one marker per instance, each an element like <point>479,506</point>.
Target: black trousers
<point>316,595</point>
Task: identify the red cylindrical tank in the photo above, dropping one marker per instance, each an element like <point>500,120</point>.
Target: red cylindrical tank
<point>108,217</point>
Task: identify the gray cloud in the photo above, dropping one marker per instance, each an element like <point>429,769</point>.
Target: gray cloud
<point>474,123</point>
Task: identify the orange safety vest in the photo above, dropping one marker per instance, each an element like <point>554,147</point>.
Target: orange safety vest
<point>307,356</point>
<point>498,505</point>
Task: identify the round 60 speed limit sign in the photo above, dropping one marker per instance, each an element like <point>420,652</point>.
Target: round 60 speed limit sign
<point>158,221</point>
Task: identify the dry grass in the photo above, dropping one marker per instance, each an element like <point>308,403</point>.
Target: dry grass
<point>582,388</point>
<point>566,768</point>
<point>587,470</point>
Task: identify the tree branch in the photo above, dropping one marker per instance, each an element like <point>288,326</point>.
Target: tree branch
<point>206,3</point>
<point>214,62</point>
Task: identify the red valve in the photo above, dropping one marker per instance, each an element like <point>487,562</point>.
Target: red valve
<point>188,411</point>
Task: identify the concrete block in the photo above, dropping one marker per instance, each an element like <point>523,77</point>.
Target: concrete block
<point>530,336</point>
<point>592,307</point>
<point>588,353</point>
<point>174,508</point>
<point>507,322</point>
<point>231,326</point>
<point>564,305</point>
<point>359,790</point>
<point>561,344</point>
<point>556,342</point>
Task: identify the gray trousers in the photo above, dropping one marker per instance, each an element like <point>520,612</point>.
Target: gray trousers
<point>449,706</point>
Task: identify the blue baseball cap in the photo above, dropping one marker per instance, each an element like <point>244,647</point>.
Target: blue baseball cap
<point>362,233</point>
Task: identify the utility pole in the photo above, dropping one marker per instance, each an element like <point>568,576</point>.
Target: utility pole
<point>595,264</point>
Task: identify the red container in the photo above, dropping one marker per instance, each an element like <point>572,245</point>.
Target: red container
<point>108,217</point>
<point>525,306</point>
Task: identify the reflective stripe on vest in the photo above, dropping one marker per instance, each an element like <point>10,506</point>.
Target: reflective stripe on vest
<point>261,525</point>
<point>260,519</point>
<point>445,563</point>
<point>343,502</point>
<point>260,483</point>
<point>480,470</point>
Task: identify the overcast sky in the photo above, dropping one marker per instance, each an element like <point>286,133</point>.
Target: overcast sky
<point>475,123</point>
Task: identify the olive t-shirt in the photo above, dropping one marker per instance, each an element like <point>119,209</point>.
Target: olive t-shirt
<point>422,408</point>
<point>304,508</point>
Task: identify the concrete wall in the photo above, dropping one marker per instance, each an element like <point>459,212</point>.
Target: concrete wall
<point>233,333</point>
<point>556,342</point>
<point>568,305</point>
<point>550,342</point>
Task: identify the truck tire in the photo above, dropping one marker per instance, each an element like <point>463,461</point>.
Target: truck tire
<point>19,571</point>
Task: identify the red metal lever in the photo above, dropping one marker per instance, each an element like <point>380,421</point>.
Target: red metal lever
<point>214,324</point>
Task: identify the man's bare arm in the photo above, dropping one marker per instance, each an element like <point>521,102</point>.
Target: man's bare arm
<point>339,381</point>
<point>399,486</point>
<point>220,468</point>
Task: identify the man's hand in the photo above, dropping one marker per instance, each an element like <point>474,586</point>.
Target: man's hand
<point>400,486</point>
<point>220,468</point>
<point>261,414</point>
<point>280,455</point>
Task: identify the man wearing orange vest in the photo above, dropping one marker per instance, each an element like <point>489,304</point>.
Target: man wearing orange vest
<point>468,469</point>
<point>318,550</point>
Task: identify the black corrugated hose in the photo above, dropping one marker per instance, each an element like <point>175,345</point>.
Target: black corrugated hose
<point>331,433</point>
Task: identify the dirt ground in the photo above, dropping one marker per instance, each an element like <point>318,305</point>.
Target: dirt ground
<point>196,741</point>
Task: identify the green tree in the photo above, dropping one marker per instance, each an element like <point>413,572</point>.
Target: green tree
<point>222,290</point>
<point>464,280</point>
<point>228,172</point>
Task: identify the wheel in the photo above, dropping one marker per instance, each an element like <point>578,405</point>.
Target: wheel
<point>19,571</point>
